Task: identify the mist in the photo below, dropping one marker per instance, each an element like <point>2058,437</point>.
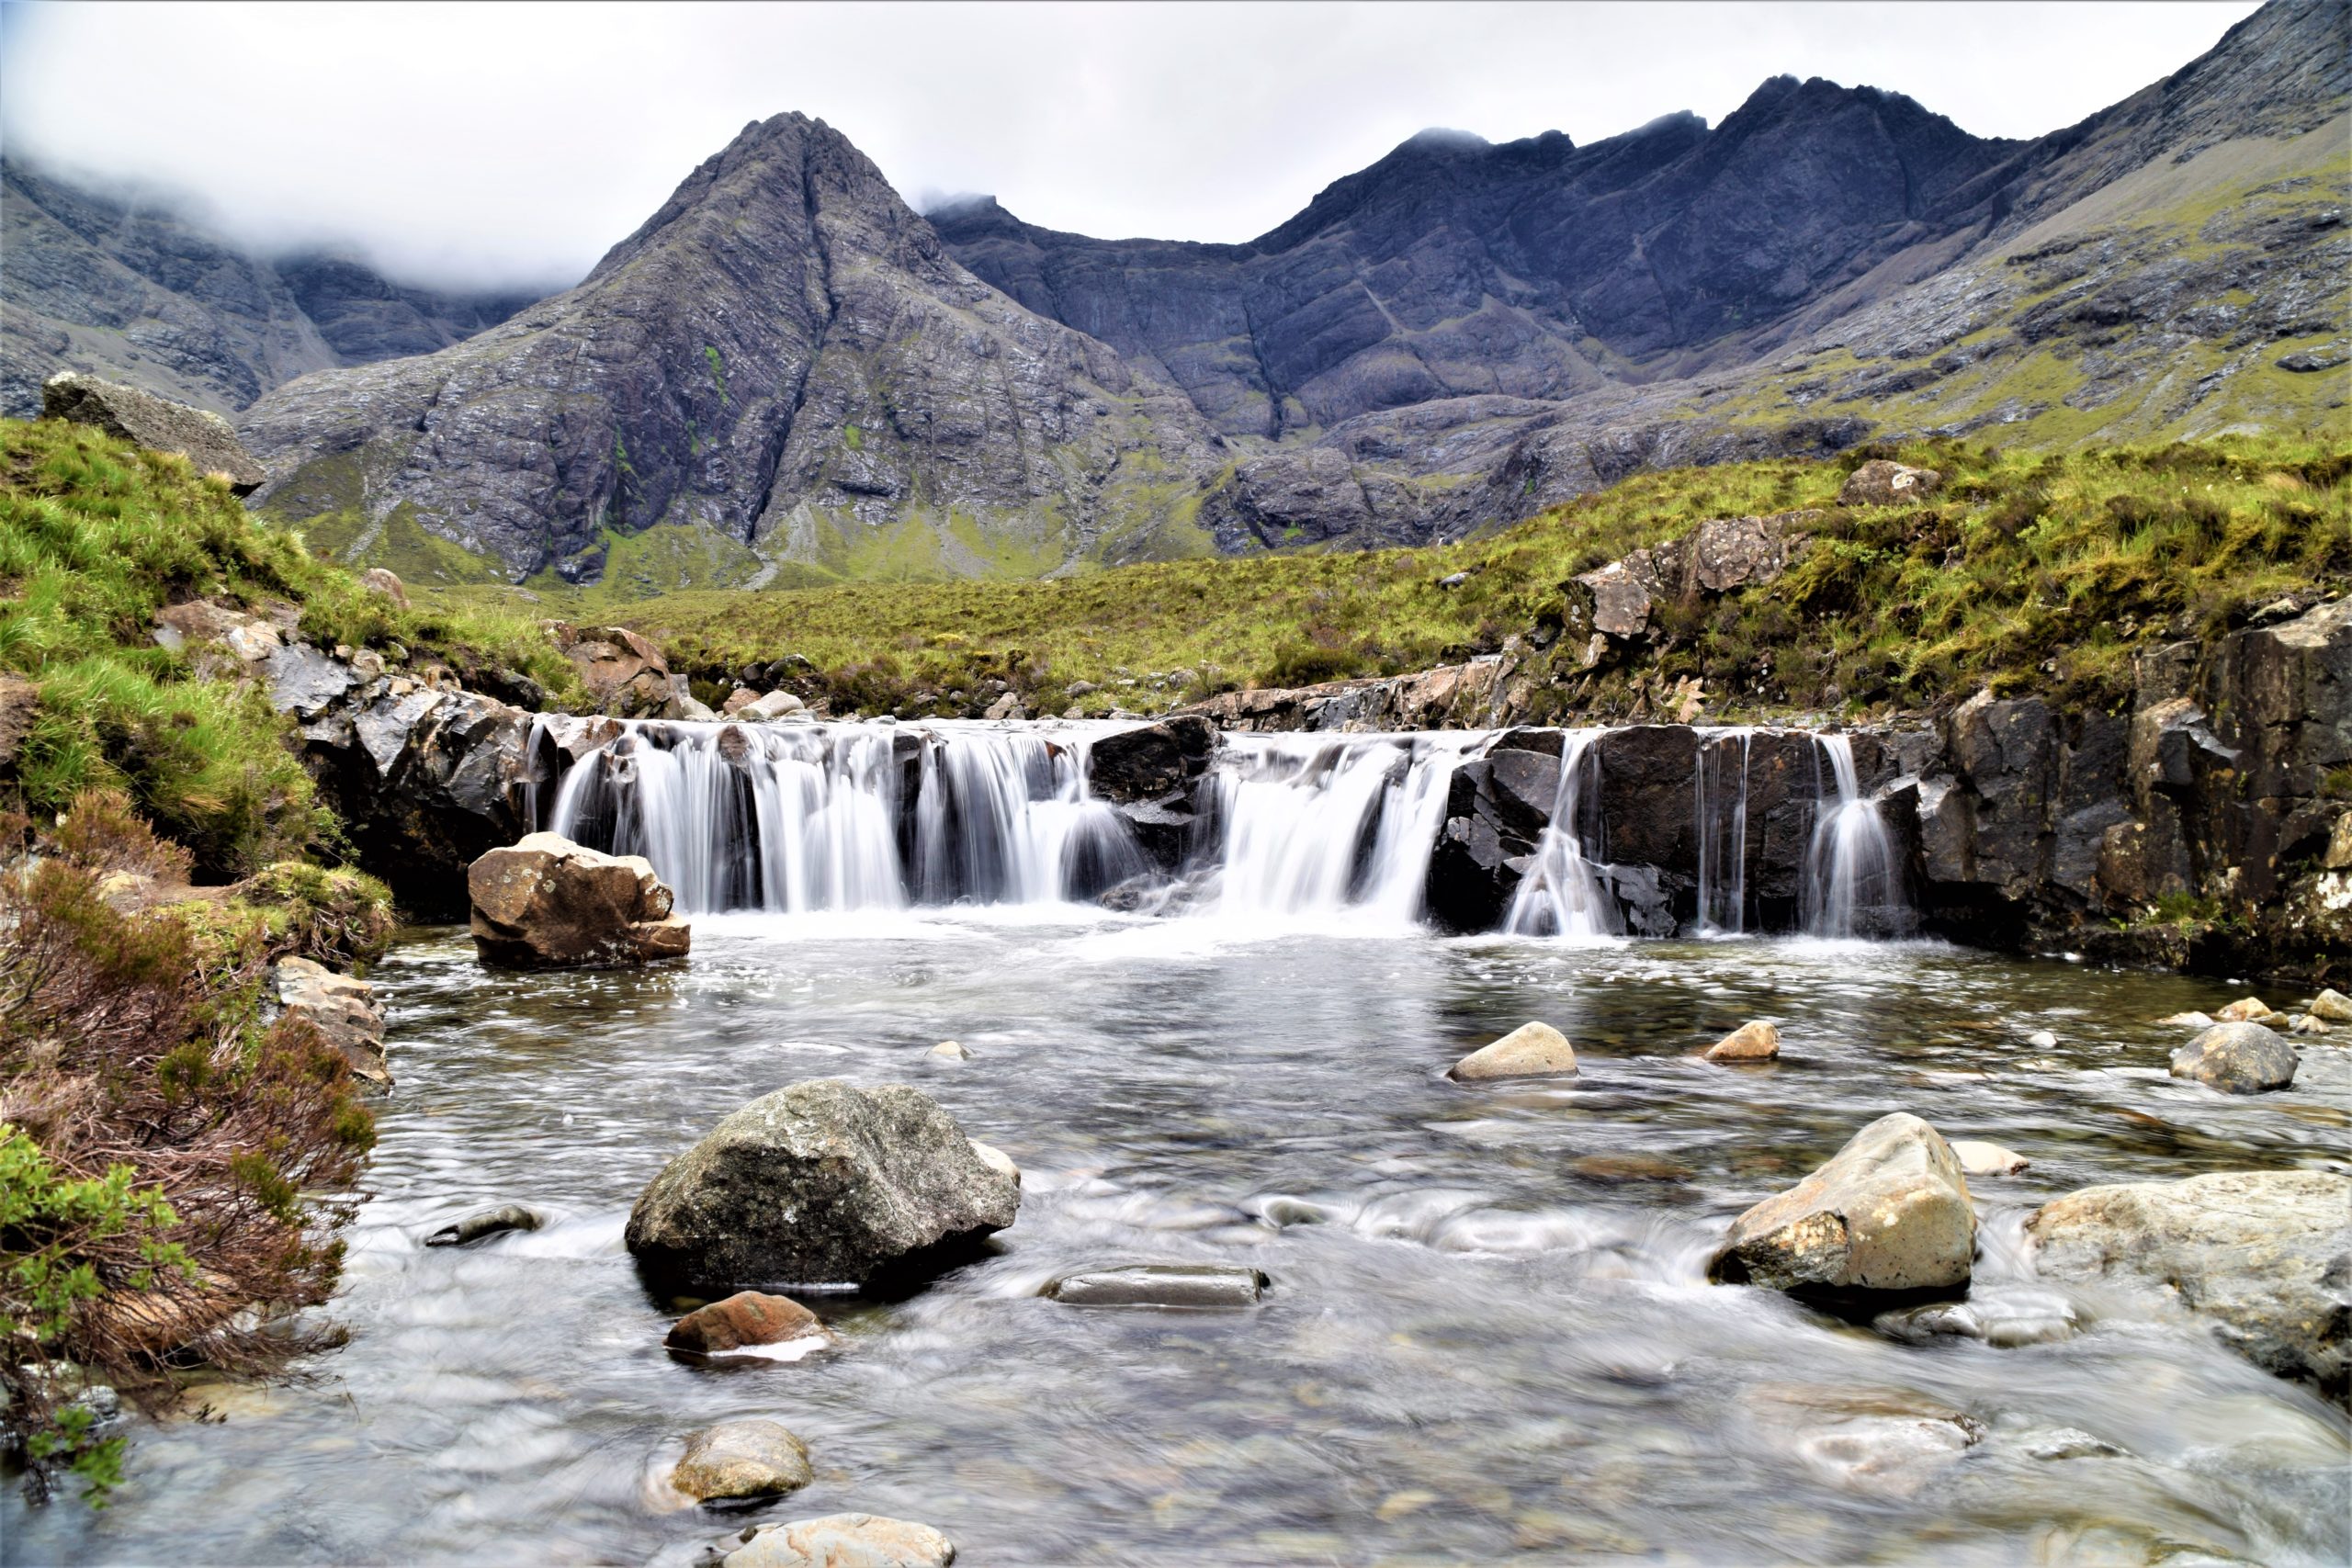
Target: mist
<point>508,146</point>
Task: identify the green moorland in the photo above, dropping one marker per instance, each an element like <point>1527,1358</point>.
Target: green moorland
<point>163,1144</point>
<point>2025,570</point>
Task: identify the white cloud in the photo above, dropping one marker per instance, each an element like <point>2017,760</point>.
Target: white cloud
<point>517,142</point>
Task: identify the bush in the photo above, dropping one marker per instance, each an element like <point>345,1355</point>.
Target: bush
<point>156,1142</point>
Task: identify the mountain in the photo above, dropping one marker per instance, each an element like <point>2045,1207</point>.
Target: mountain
<point>787,375</point>
<point>783,357</point>
<point>134,291</point>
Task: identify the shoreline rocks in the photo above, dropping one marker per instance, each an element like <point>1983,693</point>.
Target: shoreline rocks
<point>547,903</point>
<point>1888,1213</point>
<point>1533,1050</point>
<point>821,1184</point>
<point>2267,1255</point>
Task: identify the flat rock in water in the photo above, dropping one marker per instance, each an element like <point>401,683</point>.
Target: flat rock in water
<point>1753,1042</point>
<point>838,1540</point>
<point>747,1318</point>
<point>739,1459</point>
<point>1889,1212</point>
<point>1979,1159</point>
<point>1162,1285</point>
<point>1533,1050</point>
<point>488,1223</point>
<point>2237,1058</point>
<point>822,1183</point>
<point>2266,1255</point>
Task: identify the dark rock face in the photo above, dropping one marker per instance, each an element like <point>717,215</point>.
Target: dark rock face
<point>2266,1255</point>
<point>821,1183</point>
<point>158,423</point>
<point>1151,762</point>
<point>130,290</point>
<point>784,354</point>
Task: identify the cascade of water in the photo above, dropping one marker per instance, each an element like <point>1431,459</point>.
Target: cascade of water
<point>797,818</point>
<point>1850,868</point>
<point>1314,825</point>
<point>1722,835</point>
<point>1561,895</point>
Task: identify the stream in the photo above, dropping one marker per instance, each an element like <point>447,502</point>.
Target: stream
<point>1488,1338</point>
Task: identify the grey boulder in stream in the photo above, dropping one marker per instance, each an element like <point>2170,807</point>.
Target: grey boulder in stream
<point>822,1183</point>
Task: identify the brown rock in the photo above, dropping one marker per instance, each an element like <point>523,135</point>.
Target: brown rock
<point>1531,1050</point>
<point>625,673</point>
<point>747,1318</point>
<point>382,580</point>
<point>157,424</point>
<point>547,903</point>
<point>1755,1042</point>
<point>736,700</point>
<point>743,1459</point>
<point>1889,1212</point>
<point>1881,483</point>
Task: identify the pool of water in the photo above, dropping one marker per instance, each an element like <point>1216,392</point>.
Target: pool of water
<point>1488,1335</point>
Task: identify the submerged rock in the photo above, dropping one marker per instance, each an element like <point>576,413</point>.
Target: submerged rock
<point>2237,1058</point>
<point>743,1459</point>
<point>838,1540</point>
<point>1887,1443</point>
<point>821,1183</point>
<point>1533,1050</point>
<point>547,903</point>
<point>1748,1043</point>
<point>489,1222</point>
<point>2004,1319</point>
<point>2267,1254</point>
<point>1889,1212</point>
<point>1161,1285</point>
<point>747,1318</point>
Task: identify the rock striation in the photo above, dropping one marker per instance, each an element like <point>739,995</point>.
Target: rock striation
<point>821,1183</point>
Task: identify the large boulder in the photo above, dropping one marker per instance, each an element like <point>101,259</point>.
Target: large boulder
<point>2237,1058</point>
<point>205,439</point>
<point>1890,1212</point>
<point>1151,761</point>
<point>547,903</point>
<point>2267,1254</point>
<point>822,1183</point>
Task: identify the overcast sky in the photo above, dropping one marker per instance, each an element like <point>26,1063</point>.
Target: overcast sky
<point>495,143</point>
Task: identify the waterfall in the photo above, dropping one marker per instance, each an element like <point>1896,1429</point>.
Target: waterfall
<point>1849,879</point>
<point>798,818</point>
<point>1722,835</point>
<point>1561,893</point>
<point>1314,825</point>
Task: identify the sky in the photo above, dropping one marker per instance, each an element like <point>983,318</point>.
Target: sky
<point>492,144</point>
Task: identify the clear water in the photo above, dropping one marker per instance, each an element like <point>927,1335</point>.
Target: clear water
<point>1484,1342</point>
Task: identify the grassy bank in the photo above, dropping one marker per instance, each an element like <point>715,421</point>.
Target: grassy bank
<point>2023,569</point>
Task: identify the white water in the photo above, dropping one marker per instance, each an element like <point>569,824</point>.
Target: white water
<point>1561,893</point>
<point>1315,825</point>
<point>1723,836</point>
<point>1850,868</point>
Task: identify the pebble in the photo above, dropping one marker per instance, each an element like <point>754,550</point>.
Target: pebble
<point>2041,1040</point>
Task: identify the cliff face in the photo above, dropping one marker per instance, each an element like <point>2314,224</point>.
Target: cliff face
<point>783,355</point>
<point>134,292</point>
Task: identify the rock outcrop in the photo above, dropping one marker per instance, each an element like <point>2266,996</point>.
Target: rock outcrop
<point>547,903</point>
<point>2267,1255</point>
<point>344,1010</point>
<point>821,1183</point>
<point>1889,1212</point>
<point>205,439</point>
